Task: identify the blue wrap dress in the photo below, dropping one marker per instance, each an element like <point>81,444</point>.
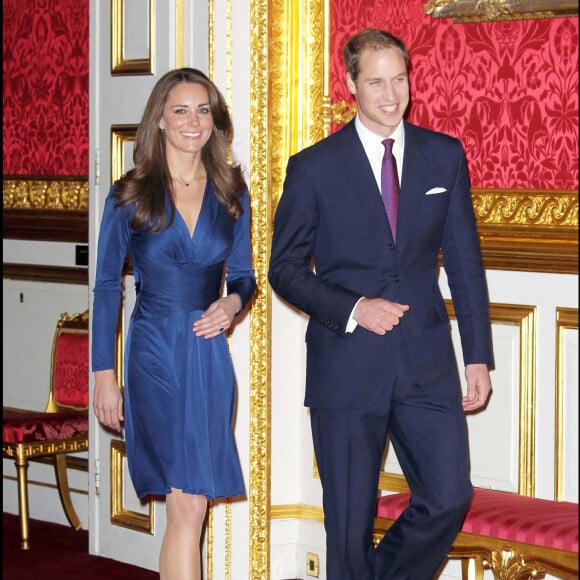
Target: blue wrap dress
<point>180,389</point>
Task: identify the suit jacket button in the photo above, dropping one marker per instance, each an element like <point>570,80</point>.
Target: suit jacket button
<point>396,278</point>
<point>391,246</point>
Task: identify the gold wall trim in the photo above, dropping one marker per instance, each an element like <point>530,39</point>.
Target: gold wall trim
<point>228,539</point>
<point>229,52</point>
<point>120,515</point>
<point>120,135</point>
<point>566,319</point>
<point>549,208</point>
<point>37,192</point>
<point>525,318</point>
<point>490,10</point>
<point>261,149</point>
<point>528,230</point>
<point>46,208</point>
<point>119,64</point>
<point>298,511</point>
<point>209,533</point>
<point>179,29</point>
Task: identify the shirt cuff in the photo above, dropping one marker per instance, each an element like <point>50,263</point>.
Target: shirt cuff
<point>352,323</point>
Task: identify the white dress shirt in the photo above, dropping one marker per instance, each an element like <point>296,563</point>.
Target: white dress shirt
<point>374,149</point>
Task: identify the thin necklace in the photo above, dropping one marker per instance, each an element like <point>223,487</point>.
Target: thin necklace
<point>179,180</point>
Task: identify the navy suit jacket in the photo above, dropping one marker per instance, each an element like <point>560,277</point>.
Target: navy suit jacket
<point>331,216</point>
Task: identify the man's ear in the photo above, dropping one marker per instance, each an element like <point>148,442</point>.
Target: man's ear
<point>350,84</point>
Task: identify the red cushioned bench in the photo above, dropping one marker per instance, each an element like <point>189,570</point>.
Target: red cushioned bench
<point>515,536</point>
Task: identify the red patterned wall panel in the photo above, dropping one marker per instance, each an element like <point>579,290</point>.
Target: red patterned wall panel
<point>508,89</point>
<point>45,87</point>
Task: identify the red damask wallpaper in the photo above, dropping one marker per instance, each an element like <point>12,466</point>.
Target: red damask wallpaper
<point>508,90</point>
<point>46,87</point>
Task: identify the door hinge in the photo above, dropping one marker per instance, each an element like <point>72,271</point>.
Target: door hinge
<point>97,165</point>
<point>97,476</point>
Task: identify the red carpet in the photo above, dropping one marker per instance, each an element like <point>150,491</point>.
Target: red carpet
<point>59,552</point>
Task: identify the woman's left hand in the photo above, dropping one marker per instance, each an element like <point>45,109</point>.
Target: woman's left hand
<point>218,317</point>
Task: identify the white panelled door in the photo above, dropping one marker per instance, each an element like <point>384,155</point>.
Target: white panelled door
<point>147,42</point>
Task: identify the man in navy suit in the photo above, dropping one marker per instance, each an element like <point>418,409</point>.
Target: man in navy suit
<point>380,359</point>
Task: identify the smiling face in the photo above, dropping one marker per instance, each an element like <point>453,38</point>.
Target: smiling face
<point>381,89</point>
<point>187,119</point>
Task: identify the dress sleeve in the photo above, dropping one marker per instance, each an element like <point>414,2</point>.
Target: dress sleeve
<point>240,277</point>
<point>112,248</point>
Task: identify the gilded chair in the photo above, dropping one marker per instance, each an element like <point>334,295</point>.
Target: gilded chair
<point>63,426</point>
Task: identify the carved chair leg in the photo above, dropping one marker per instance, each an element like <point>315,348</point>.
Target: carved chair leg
<point>21,469</point>
<point>64,491</point>
<point>471,569</point>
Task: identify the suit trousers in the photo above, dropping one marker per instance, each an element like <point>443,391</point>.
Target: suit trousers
<point>429,436</point>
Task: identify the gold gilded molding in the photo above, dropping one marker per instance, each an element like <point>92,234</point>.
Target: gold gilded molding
<point>41,193</point>
<point>179,26</point>
<point>508,563</point>
<point>209,533</point>
<point>120,515</point>
<point>297,511</point>
<point>549,208</point>
<point>120,135</point>
<point>566,319</point>
<point>525,318</point>
<point>211,38</point>
<point>261,313</point>
<point>229,52</point>
<point>119,64</point>
<point>228,539</point>
<point>289,41</point>
<point>495,10</point>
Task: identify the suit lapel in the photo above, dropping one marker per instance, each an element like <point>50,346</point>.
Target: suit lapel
<point>358,175</point>
<point>414,169</point>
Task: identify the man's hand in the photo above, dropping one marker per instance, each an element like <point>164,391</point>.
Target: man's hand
<point>379,315</point>
<point>478,387</point>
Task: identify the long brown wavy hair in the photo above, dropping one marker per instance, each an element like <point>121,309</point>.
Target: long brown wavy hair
<point>145,184</point>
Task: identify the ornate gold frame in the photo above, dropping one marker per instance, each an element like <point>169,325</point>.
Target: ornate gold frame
<point>120,515</point>
<point>44,207</point>
<point>566,319</point>
<point>120,134</point>
<point>488,10</point>
<point>119,64</point>
<point>525,318</point>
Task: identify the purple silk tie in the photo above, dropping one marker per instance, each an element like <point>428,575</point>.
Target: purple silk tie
<point>390,185</point>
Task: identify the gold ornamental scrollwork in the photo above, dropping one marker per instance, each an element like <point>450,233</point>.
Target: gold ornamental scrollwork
<point>260,315</point>
<point>46,193</point>
<point>495,10</point>
<point>508,565</point>
<point>545,208</point>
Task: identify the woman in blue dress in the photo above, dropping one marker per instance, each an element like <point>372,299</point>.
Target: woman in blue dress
<point>182,215</point>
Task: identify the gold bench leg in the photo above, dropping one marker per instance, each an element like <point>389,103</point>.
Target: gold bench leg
<point>21,468</point>
<point>64,491</point>
<point>471,569</point>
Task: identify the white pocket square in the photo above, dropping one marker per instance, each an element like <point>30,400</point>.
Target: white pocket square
<point>435,190</point>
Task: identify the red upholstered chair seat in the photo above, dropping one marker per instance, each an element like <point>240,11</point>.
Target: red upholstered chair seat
<point>508,516</point>
<point>30,426</point>
<point>62,428</point>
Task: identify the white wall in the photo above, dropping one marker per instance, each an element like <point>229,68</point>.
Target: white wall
<point>31,311</point>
